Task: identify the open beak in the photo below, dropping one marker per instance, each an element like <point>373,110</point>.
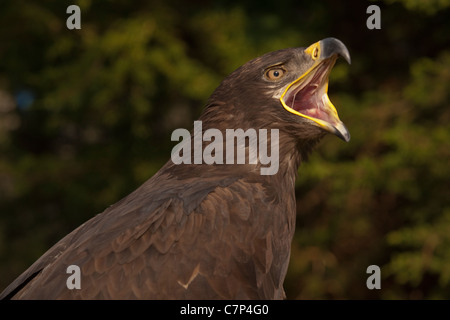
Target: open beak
<point>308,95</point>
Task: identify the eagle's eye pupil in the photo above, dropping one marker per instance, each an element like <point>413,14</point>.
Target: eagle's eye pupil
<point>276,73</point>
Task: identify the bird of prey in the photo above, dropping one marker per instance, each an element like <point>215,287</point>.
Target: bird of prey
<point>207,231</point>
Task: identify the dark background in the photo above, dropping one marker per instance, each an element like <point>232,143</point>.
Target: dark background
<point>86,117</point>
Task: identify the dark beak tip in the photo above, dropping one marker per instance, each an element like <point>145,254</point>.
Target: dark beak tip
<point>341,132</point>
<point>345,137</point>
<point>332,46</point>
<point>348,59</point>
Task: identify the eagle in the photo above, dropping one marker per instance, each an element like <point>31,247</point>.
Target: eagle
<point>207,230</point>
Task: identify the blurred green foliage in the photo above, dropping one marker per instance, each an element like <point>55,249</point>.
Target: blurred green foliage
<point>86,117</point>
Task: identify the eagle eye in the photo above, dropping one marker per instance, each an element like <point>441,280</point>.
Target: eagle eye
<point>275,74</point>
